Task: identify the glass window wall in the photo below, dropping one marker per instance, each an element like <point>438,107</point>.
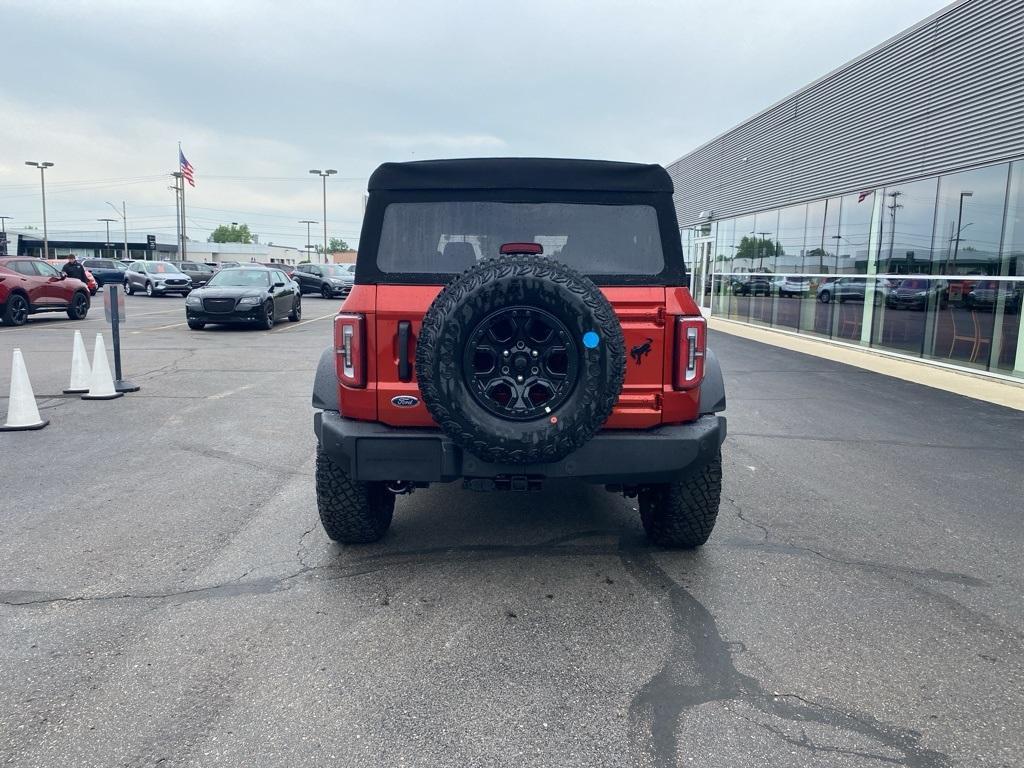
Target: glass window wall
<point>932,268</point>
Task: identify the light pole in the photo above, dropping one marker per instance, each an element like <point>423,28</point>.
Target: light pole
<point>307,222</point>
<point>42,181</point>
<point>323,175</point>
<point>107,222</point>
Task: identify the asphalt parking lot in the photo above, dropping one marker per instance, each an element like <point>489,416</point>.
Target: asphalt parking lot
<point>167,596</point>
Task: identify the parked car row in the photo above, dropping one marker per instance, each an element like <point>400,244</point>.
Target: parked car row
<point>260,294</point>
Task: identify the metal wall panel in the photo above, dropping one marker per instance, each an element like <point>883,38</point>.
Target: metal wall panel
<point>945,95</point>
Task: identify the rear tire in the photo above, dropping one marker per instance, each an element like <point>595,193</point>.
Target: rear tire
<point>128,288</point>
<point>351,512</point>
<point>824,297</point>
<point>683,514</point>
<point>296,314</point>
<point>325,291</point>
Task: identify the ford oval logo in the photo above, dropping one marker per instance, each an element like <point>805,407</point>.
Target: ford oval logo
<point>405,401</point>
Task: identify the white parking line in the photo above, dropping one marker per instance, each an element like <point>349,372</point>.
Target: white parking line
<point>161,327</point>
<point>292,326</point>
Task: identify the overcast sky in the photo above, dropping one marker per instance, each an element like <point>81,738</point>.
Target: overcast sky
<point>260,92</point>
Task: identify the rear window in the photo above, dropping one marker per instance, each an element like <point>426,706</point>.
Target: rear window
<point>449,236</point>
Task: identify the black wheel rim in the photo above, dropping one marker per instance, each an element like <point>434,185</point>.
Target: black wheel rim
<point>270,314</point>
<point>298,309</point>
<point>19,310</point>
<point>521,363</point>
<point>79,306</point>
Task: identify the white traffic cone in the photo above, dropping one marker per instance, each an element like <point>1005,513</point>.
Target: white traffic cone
<point>22,412</point>
<point>80,369</point>
<point>101,383</point>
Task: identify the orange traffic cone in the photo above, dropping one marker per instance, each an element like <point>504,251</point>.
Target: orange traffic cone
<point>22,412</point>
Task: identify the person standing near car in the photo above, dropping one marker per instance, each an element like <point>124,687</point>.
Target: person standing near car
<point>73,268</point>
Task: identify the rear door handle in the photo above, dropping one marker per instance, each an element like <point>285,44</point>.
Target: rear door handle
<point>404,367</point>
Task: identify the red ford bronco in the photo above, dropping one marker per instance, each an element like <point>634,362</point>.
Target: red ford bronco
<point>514,320</point>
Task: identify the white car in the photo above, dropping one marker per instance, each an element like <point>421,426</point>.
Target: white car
<point>156,278</point>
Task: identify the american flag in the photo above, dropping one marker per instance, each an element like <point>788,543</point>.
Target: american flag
<point>186,168</point>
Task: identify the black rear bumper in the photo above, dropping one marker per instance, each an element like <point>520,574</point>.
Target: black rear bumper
<point>370,451</point>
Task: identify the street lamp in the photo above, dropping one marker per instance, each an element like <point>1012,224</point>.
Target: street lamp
<point>323,175</point>
<point>42,181</point>
<point>307,222</point>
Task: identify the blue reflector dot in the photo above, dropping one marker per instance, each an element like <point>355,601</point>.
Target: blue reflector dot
<point>591,340</point>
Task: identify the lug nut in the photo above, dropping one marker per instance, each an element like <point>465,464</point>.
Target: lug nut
<point>506,353</point>
<point>519,379</point>
<point>504,369</point>
<point>520,345</point>
<point>534,353</point>
<point>534,370</point>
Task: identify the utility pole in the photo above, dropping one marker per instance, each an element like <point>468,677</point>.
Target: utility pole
<point>107,244</point>
<point>307,222</point>
<point>323,175</point>
<point>893,207</point>
<point>179,183</point>
<point>124,217</point>
<point>959,225</point>
<point>3,234</point>
<point>42,181</point>
<point>760,250</point>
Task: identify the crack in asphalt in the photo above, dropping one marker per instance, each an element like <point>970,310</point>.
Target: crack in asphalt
<point>700,654</point>
<point>698,669</point>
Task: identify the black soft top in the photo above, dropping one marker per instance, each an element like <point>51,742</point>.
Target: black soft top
<point>521,173</point>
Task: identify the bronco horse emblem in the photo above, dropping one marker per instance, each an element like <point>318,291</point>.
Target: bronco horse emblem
<point>641,350</point>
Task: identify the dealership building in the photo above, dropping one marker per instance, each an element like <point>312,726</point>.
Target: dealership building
<point>881,206</point>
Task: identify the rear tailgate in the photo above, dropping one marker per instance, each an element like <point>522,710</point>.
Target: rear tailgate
<point>399,314</point>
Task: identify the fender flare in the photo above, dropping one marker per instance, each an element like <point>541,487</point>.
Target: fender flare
<point>712,388</point>
<point>325,384</point>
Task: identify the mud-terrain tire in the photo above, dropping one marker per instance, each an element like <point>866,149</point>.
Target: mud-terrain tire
<point>683,514</point>
<point>351,512</point>
<point>535,284</point>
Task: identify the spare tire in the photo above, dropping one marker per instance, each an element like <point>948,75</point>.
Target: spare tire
<point>520,359</point>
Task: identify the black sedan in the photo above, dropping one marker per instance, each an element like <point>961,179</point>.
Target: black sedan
<point>253,295</point>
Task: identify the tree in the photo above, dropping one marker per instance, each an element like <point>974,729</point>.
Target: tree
<point>756,250</point>
<point>337,244</point>
<point>231,234</point>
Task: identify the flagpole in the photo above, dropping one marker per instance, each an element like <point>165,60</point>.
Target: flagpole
<point>184,236</point>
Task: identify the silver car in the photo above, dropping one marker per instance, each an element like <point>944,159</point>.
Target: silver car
<point>156,278</point>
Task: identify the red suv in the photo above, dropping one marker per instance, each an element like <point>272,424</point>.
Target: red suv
<point>28,286</point>
<point>515,320</point>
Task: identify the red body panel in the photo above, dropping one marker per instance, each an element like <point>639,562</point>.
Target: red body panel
<point>646,314</point>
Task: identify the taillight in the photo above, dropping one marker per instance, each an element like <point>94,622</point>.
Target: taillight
<point>350,349</point>
<point>691,335</point>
